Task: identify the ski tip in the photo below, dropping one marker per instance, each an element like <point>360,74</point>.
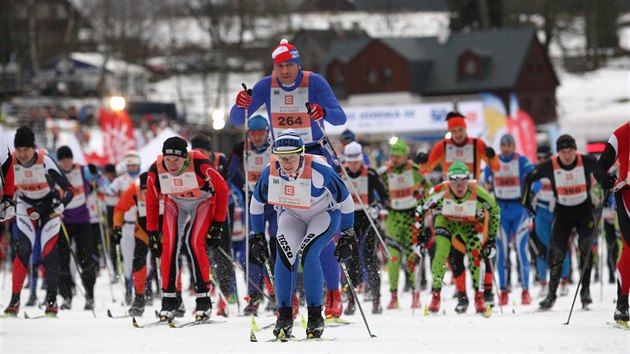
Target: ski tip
<point>488,312</point>
<point>304,325</point>
<point>109,314</point>
<point>254,325</point>
<point>252,336</point>
<point>26,315</point>
<point>134,322</point>
<point>426,310</point>
<point>171,324</point>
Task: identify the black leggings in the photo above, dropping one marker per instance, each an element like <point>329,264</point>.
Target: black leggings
<point>81,235</point>
<point>582,219</point>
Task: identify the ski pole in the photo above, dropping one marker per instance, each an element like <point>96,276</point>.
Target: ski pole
<point>272,280</point>
<point>246,189</point>
<point>496,285</point>
<point>354,190</point>
<point>588,253</point>
<point>237,265</point>
<point>354,294</point>
<point>102,237</point>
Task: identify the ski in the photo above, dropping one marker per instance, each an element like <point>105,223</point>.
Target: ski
<point>620,324</point>
<point>255,327</point>
<point>109,314</point>
<point>162,321</point>
<point>336,322</point>
<point>9,315</point>
<point>26,316</point>
<point>193,323</point>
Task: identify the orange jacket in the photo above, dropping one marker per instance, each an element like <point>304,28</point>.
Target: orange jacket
<point>438,157</point>
<point>128,200</point>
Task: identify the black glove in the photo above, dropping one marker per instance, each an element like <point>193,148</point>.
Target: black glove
<point>489,250</point>
<point>347,242</point>
<point>213,237</point>
<point>42,210</point>
<point>258,249</point>
<point>93,169</point>
<point>609,181</point>
<point>117,235</point>
<point>490,152</point>
<point>423,157</point>
<point>155,243</point>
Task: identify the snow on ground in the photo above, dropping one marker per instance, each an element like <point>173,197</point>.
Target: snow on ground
<point>519,329</point>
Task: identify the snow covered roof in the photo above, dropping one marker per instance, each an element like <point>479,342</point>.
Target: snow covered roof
<point>113,65</point>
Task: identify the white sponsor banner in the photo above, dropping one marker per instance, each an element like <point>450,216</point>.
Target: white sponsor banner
<point>415,118</point>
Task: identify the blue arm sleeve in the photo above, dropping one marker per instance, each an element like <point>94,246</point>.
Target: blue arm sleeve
<point>342,196</point>
<point>258,201</point>
<point>322,94</point>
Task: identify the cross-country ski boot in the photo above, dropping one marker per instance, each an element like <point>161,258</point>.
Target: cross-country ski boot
<point>284,323</point>
<point>204,307</point>
<point>315,324</point>
<point>137,306</point>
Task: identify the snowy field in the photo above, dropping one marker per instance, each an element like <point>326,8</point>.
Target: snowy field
<point>519,329</point>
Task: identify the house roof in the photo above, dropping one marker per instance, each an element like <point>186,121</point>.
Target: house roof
<point>344,50</point>
<point>502,54</point>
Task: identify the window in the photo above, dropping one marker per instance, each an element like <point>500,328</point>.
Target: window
<point>388,74</point>
<point>338,75</point>
<point>372,76</point>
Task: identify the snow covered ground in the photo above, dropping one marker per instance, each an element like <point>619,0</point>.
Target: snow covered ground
<point>519,329</point>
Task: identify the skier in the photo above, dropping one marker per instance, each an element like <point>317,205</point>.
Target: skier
<point>258,157</point>
<point>312,202</point>
<point>135,196</point>
<point>466,218</point>
<point>369,186</point>
<point>471,151</point>
<point>300,100</point>
<point>618,149</point>
<point>191,188</point>
<point>127,243</point>
<point>570,176</point>
<point>506,186</point>
<point>543,205</point>
<point>39,207</point>
<point>406,189</point>
<point>76,218</point>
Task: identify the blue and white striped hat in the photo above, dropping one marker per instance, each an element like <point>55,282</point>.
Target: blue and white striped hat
<point>288,142</point>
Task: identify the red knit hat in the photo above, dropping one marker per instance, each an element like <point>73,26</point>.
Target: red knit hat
<point>285,51</point>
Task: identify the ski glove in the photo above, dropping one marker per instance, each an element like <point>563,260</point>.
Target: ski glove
<point>7,209</point>
<point>347,242</point>
<point>244,99</point>
<point>423,158</point>
<point>117,235</point>
<point>258,249</point>
<point>213,238</point>
<point>49,210</point>
<point>609,180</point>
<point>315,111</point>
<point>489,250</point>
<point>155,243</point>
<point>490,152</point>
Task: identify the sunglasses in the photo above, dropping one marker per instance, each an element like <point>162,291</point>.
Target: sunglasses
<point>287,158</point>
